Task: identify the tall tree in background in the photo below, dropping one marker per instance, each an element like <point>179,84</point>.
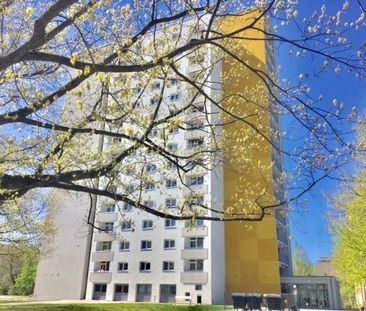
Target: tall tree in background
<point>67,80</point>
<point>349,227</point>
<point>302,265</point>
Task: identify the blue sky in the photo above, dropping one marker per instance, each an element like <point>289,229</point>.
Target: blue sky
<point>309,219</point>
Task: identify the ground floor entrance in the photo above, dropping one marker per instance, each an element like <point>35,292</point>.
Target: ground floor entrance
<point>168,293</point>
<point>99,291</point>
<point>120,292</point>
<point>143,293</point>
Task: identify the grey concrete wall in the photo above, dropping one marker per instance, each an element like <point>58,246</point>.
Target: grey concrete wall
<point>62,269</point>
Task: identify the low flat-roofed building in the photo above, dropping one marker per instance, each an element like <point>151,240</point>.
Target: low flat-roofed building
<point>312,292</point>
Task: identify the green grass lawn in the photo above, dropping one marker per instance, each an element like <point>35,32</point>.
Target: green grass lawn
<point>109,307</point>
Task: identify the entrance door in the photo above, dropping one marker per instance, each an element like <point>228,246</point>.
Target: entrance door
<point>121,292</point>
<point>199,299</point>
<point>143,293</point>
<point>99,291</point>
<point>168,293</point>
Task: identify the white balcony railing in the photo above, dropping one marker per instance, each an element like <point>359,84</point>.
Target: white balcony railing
<point>106,216</point>
<point>103,256</point>
<point>193,277</point>
<point>103,236</point>
<point>100,277</point>
<point>198,231</point>
<point>194,253</point>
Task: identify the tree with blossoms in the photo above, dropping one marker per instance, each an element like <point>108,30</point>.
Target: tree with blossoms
<point>75,76</point>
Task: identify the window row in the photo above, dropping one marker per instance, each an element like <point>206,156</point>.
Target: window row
<point>148,224</point>
<point>144,266</point>
<point>195,242</point>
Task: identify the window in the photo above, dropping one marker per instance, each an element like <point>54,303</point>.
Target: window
<point>154,133</point>
<point>106,246</point>
<point>101,288</point>
<point>124,246</point>
<point>104,266</point>
<point>174,130</point>
<point>145,266</point>
<point>197,200</point>
<point>145,245</point>
<point>170,165</point>
<point>130,188</point>
<point>127,207</point>
<point>172,147</point>
<point>137,90</point>
<point>199,222</point>
<point>196,242</point>
<point>174,97</point>
<point>150,186</point>
<point>127,225</point>
<point>122,267</point>
<point>169,244</point>
<point>169,223</point>
<point>156,86</point>
<point>170,203</point>
<point>154,101</point>
<point>110,208</point>
<point>107,226</point>
<point>150,168</point>
<point>147,224</point>
<point>149,204</point>
<point>196,265</point>
<point>171,183</point>
<point>198,287</point>
<point>196,180</point>
<point>194,143</point>
<point>122,288</point>
<point>168,265</point>
<point>173,82</point>
<point>198,108</point>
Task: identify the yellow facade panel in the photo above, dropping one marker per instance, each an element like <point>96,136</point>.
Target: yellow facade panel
<point>251,248</point>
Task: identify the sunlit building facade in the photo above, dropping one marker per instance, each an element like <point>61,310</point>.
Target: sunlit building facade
<point>131,255</point>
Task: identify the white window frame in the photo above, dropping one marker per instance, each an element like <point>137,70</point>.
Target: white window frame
<point>150,186</point>
<point>197,181</point>
<point>126,246</point>
<point>147,221</point>
<point>150,203</point>
<point>170,223</point>
<point>168,266</point>
<point>124,266</point>
<point>196,242</point>
<point>171,183</point>
<point>151,168</point>
<point>174,97</point>
<point>169,242</point>
<point>108,245</point>
<point>146,245</point>
<point>170,203</point>
<point>145,266</point>
<point>196,264</point>
<point>127,207</point>
<point>125,222</point>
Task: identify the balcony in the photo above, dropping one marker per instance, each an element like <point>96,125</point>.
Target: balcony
<point>194,253</point>
<point>193,277</point>
<point>103,256</point>
<point>196,189</point>
<point>194,134</point>
<point>100,277</point>
<point>198,231</point>
<point>106,216</point>
<point>103,236</point>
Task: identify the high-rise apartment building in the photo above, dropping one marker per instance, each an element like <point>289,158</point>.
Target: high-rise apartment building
<point>132,255</point>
